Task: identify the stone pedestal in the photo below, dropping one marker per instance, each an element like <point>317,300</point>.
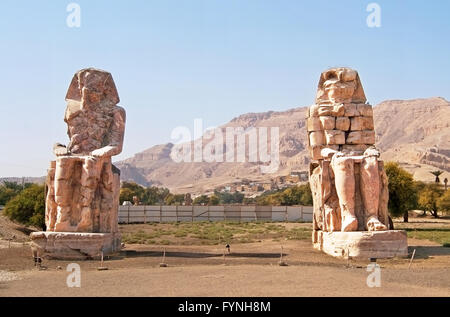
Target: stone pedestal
<point>362,244</point>
<point>74,245</point>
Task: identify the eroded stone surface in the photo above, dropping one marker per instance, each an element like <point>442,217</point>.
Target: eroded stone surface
<point>363,244</point>
<point>342,123</point>
<point>348,181</point>
<point>83,185</point>
<point>361,137</point>
<point>361,123</point>
<point>334,137</point>
<point>74,245</point>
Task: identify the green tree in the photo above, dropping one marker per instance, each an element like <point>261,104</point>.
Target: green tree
<point>136,189</point>
<point>402,191</point>
<point>126,194</point>
<point>229,198</point>
<point>213,200</point>
<point>147,195</point>
<point>172,199</point>
<point>201,200</point>
<point>9,190</point>
<point>28,207</point>
<point>296,195</point>
<point>6,194</point>
<point>249,201</point>
<point>429,197</point>
<point>155,195</point>
<point>443,202</point>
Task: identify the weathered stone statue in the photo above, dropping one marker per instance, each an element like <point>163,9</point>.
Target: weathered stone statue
<point>82,184</point>
<point>187,199</point>
<point>348,181</point>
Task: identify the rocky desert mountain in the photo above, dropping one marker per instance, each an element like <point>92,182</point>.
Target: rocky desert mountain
<point>414,133</point>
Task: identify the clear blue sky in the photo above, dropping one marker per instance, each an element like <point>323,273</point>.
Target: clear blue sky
<point>176,60</point>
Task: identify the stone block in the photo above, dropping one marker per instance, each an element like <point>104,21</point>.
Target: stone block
<point>342,123</point>
<point>350,110</point>
<point>363,244</point>
<point>313,124</point>
<point>335,110</point>
<point>327,122</point>
<point>338,110</point>
<point>315,151</point>
<point>365,110</point>
<point>74,245</point>
<point>313,111</point>
<point>361,123</point>
<point>335,136</point>
<point>354,148</point>
<point>316,138</point>
<point>324,110</point>
<point>361,137</point>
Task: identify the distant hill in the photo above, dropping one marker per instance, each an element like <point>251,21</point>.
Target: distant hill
<point>415,133</point>
<point>412,132</point>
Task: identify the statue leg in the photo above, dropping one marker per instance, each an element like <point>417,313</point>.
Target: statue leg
<point>89,182</point>
<point>50,204</point>
<point>63,193</point>
<point>344,178</point>
<point>107,207</point>
<point>370,192</point>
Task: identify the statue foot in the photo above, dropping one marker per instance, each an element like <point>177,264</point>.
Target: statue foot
<point>84,227</point>
<point>63,227</point>
<point>373,224</point>
<point>349,224</point>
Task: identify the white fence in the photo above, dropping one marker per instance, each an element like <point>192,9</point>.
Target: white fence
<point>144,214</point>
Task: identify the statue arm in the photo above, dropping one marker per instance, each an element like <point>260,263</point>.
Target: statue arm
<point>328,153</point>
<point>116,136</point>
<point>372,151</point>
<point>60,149</point>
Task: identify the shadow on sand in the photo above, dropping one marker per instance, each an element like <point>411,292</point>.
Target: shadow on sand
<point>424,252</point>
<point>195,255</point>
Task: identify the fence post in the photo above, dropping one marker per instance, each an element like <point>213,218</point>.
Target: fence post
<point>128,221</point>
<point>176,213</point>
<point>160,213</point>
<point>145,214</point>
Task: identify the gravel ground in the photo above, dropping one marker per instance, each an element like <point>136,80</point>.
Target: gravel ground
<point>8,276</point>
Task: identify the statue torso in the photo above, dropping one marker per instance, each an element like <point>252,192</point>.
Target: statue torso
<point>88,130</point>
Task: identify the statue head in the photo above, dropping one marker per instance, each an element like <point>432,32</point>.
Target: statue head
<point>91,86</point>
<point>340,85</point>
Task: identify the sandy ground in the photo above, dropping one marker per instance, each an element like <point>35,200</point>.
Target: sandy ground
<point>249,270</point>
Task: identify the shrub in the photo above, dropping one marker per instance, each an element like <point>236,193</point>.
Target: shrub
<point>28,207</point>
<point>402,190</point>
<point>443,203</point>
<point>429,197</point>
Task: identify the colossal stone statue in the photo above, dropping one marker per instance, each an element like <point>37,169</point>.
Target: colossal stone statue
<point>82,184</point>
<point>347,178</point>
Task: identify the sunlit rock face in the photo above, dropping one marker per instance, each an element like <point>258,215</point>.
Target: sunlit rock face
<point>348,181</point>
<point>82,183</point>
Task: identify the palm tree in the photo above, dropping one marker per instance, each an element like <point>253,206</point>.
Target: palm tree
<point>437,174</point>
